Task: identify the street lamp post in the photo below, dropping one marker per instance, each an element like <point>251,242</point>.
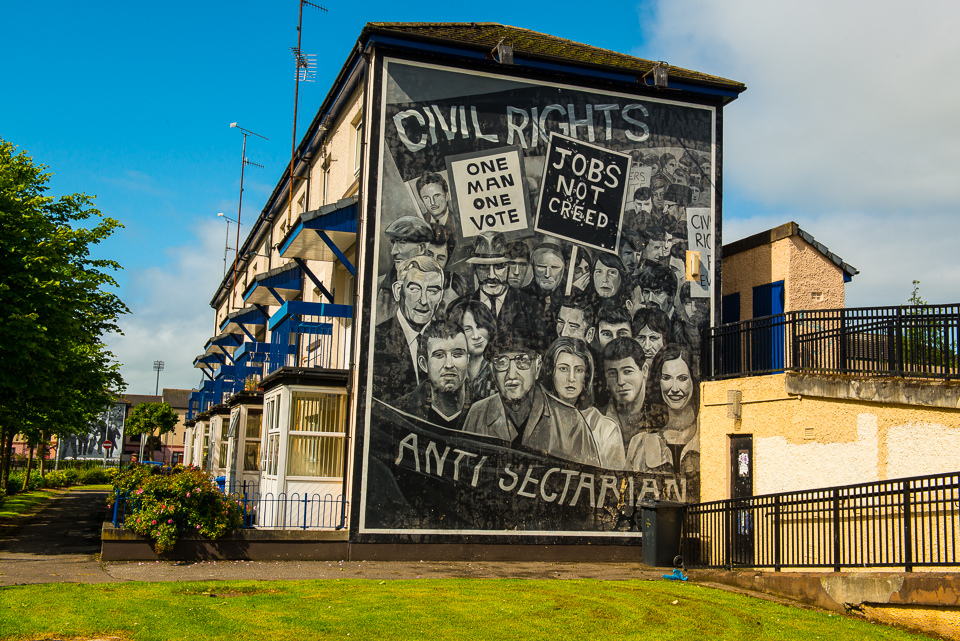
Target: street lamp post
<point>243,165</point>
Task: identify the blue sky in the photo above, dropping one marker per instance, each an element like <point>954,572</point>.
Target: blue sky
<point>848,127</point>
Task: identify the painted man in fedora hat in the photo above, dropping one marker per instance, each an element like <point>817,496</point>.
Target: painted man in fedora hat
<point>509,305</point>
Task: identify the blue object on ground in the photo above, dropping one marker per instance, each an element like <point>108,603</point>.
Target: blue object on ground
<point>676,576</point>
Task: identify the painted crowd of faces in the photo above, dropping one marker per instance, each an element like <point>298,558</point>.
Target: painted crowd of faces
<point>640,295</point>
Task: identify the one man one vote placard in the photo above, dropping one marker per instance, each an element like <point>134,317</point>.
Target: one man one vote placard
<point>489,190</point>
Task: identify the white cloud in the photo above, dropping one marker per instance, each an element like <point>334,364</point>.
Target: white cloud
<point>170,317</point>
<point>848,126</point>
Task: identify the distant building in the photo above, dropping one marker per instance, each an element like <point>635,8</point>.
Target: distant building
<point>171,450</point>
<point>781,270</point>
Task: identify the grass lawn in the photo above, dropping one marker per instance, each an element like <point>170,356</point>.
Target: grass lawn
<point>21,503</point>
<point>427,609</point>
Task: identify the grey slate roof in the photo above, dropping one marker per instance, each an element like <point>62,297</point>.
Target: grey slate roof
<point>786,231</point>
<point>533,44</point>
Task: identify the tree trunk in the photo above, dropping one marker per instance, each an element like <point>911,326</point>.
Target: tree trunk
<point>4,460</point>
<point>42,452</point>
<point>26,479</point>
<point>7,456</point>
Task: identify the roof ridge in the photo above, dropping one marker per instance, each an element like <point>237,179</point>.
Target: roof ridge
<point>536,44</point>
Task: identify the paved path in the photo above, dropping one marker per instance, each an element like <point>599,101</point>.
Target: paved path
<point>60,543</point>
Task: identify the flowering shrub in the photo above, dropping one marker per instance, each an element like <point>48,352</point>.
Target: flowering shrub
<point>186,499</point>
<point>130,478</point>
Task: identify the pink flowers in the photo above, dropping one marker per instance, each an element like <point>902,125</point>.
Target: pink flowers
<point>140,491</point>
<point>188,494</point>
<point>154,521</point>
<point>169,520</point>
<point>198,526</point>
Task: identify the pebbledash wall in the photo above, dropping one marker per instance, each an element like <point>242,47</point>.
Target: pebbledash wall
<point>553,163</point>
<point>813,276</point>
<point>814,431</point>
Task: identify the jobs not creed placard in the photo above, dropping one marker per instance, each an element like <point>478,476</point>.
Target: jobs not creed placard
<point>582,193</point>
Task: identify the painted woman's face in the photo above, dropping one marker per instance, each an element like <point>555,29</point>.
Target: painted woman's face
<point>569,376</point>
<point>676,384</point>
<point>477,337</point>
<point>606,280</point>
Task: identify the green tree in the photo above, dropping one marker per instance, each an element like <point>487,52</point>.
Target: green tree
<point>56,373</point>
<point>147,418</point>
<point>929,337</point>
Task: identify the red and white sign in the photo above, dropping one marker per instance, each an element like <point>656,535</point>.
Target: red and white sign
<point>107,445</point>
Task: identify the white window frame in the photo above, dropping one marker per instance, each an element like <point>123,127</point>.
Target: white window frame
<point>305,433</point>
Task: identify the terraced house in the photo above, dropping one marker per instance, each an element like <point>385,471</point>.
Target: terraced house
<point>451,320</point>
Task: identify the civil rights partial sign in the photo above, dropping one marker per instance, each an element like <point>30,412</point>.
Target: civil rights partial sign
<point>582,193</point>
<point>489,190</point>
<point>700,239</point>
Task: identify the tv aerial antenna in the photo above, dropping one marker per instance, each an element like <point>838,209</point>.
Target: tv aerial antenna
<point>243,165</point>
<point>306,66</point>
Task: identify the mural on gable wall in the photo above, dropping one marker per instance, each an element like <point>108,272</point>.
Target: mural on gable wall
<point>108,426</point>
<point>533,365</point>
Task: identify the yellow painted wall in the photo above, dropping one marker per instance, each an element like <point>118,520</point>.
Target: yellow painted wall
<point>811,281</point>
<point>803,442</point>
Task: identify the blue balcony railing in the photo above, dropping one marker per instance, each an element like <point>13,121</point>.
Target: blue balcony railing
<point>310,335</point>
<point>253,359</point>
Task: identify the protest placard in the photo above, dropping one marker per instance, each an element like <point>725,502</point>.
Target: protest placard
<point>489,190</point>
<point>582,193</point>
<point>700,239</point>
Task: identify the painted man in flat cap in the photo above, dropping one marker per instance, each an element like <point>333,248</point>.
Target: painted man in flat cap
<point>409,236</point>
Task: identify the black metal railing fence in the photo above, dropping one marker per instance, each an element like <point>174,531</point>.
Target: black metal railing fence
<point>910,522</point>
<point>905,341</point>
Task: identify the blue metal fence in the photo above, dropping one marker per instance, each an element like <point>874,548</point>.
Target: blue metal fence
<point>293,512</point>
<point>281,512</point>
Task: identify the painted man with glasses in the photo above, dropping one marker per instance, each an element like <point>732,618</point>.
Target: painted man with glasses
<point>522,413</point>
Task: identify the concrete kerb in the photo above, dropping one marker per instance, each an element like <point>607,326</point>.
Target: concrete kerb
<point>320,545</point>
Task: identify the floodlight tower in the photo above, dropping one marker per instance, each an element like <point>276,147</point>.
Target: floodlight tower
<point>157,367</point>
